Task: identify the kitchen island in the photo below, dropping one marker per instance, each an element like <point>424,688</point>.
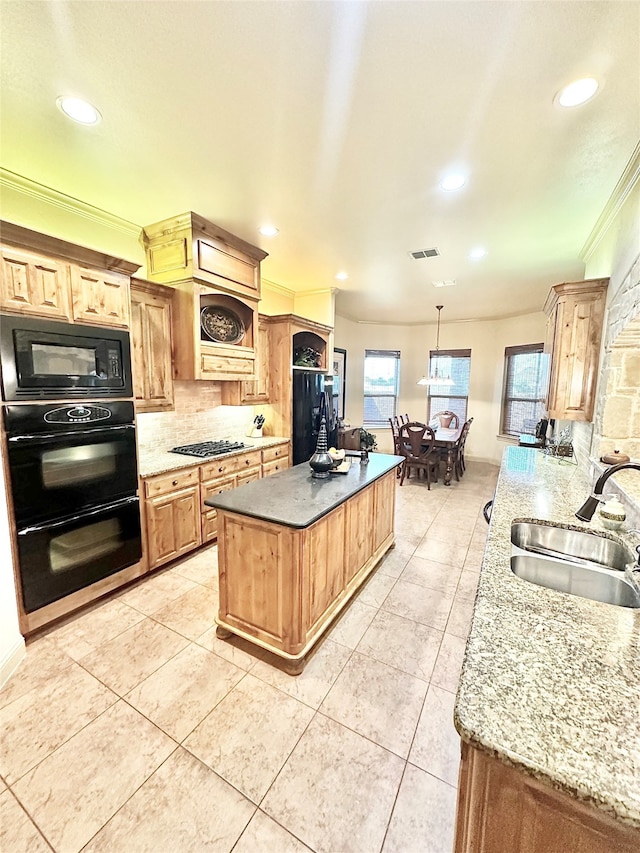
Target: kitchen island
<point>548,705</point>
<point>293,550</point>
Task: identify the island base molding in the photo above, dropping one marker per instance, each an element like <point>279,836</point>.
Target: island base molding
<point>281,587</point>
<point>501,808</point>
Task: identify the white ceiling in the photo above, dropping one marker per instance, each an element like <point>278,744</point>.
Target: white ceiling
<point>336,121</point>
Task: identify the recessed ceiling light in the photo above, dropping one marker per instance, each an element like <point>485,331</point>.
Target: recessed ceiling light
<point>478,253</point>
<point>578,92</point>
<point>269,231</point>
<point>79,110</point>
<point>448,282</point>
<point>452,182</point>
<point>342,276</point>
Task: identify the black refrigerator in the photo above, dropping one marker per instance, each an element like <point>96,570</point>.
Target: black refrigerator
<point>312,400</point>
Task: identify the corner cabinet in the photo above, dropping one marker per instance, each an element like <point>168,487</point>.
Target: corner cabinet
<point>216,276</point>
<point>151,346</point>
<point>575,315</point>
<point>42,276</point>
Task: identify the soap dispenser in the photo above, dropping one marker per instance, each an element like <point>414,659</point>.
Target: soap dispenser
<point>612,513</point>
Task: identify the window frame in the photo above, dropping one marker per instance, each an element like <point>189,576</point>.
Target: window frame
<point>463,353</point>
<point>381,353</point>
<point>506,402</point>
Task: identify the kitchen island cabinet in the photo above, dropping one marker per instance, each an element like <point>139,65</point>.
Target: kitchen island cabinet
<point>547,705</point>
<point>294,550</point>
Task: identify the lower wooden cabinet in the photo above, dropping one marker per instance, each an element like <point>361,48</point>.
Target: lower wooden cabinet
<point>172,516</point>
<point>501,808</point>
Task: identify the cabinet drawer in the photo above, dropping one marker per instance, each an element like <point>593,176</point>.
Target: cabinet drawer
<point>248,476</point>
<point>209,525</point>
<point>215,487</point>
<point>230,465</point>
<point>218,365</point>
<point>269,454</point>
<point>269,468</point>
<point>164,484</point>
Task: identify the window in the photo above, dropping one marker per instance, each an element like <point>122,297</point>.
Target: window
<point>381,377</point>
<point>525,387</point>
<point>456,364</point>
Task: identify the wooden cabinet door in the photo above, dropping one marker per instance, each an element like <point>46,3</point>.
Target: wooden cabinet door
<point>33,284</point>
<point>99,298</point>
<point>359,532</point>
<point>384,512</point>
<point>258,391</point>
<point>151,348</point>
<point>173,525</point>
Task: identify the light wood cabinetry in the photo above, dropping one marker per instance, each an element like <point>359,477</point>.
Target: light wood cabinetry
<point>286,333</point>
<point>280,587</point>
<point>172,515</point>
<point>256,391</point>
<point>46,277</point>
<point>575,314</point>
<point>275,459</point>
<point>501,808</point>
<point>151,346</point>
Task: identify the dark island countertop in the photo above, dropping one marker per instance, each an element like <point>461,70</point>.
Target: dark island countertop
<point>296,499</point>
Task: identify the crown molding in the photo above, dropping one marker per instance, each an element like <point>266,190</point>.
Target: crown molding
<point>40,192</point>
<point>278,288</point>
<point>625,185</point>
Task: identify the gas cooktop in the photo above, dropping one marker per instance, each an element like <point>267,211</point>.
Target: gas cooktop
<point>209,448</point>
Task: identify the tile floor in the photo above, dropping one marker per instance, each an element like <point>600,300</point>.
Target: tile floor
<point>132,728</point>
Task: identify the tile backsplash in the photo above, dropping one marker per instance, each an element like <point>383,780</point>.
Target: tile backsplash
<point>198,416</point>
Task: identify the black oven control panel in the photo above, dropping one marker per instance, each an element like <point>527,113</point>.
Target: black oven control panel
<point>77,415</point>
<point>36,418</point>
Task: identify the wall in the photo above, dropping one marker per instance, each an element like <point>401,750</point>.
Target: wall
<point>487,340</point>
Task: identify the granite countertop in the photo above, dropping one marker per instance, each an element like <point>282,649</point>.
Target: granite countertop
<point>551,682</point>
<point>162,461</point>
<point>295,498</point>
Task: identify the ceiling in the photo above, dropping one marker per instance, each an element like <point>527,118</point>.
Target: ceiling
<point>336,121</point>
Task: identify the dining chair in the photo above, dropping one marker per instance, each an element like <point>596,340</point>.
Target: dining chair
<point>460,466</point>
<point>395,432</point>
<point>405,419</point>
<point>448,420</point>
<point>417,443</point>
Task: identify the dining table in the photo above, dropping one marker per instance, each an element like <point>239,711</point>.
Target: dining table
<point>447,439</point>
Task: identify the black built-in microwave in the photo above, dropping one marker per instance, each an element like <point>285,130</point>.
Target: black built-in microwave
<point>50,359</point>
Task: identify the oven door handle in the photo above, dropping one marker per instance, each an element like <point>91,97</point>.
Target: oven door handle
<point>47,436</point>
<point>50,525</point>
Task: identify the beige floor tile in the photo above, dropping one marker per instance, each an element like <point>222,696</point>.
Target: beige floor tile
<point>468,584</point>
<point>402,643</point>
<point>154,592</point>
<point>184,806</point>
<point>181,693</point>
<point>423,819</point>
<point>314,682</point>
<point>377,701</point>
<point>431,575</point>
<point>94,627</point>
<point>73,792</point>
<point>38,722</point>
<point>352,624</point>
<point>249,735</point>
<point>459,622</point>
<point>264,835</point>
<point>396,559</point>
<point>436,746</point>
<point>473,560</point>
<point>202,568</point>
<point>190,614</point>
<point>315,797</point>
<point>376,589</point>
<point>441,552</point>
<point>43,660</point>
<point>18,833</point>
<point>454,532</point>
<point>236,650</point>
<point>446,672</point>
<point>405,545</point>
<point>427,606</point>
<point>132,656</point>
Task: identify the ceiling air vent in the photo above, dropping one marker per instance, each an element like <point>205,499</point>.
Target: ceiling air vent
<point>424,253</point>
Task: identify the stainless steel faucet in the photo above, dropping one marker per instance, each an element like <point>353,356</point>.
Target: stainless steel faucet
<point>585,513</point>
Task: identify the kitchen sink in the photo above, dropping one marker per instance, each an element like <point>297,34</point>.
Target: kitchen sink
<point>587,581</point>
<point>579,546</point>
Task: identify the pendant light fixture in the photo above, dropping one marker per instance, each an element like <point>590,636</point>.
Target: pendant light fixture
<point>436,378</point>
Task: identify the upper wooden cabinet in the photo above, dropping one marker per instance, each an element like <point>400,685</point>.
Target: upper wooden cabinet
<point>151,346</point>
<point>188,246</point>
<point>257,391</point>
<point>575,312</point>
<point>46,277</point>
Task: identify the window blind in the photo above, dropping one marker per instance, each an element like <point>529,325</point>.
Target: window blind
<point>525,386</point>
<point>381,375</point>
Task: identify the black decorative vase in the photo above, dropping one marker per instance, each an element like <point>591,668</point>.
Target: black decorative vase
<point>321,462</point>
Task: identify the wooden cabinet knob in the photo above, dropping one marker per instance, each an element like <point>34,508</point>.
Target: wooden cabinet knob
<point>174,483</point>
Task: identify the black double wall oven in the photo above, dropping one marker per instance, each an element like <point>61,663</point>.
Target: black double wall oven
<point>72,462</point>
